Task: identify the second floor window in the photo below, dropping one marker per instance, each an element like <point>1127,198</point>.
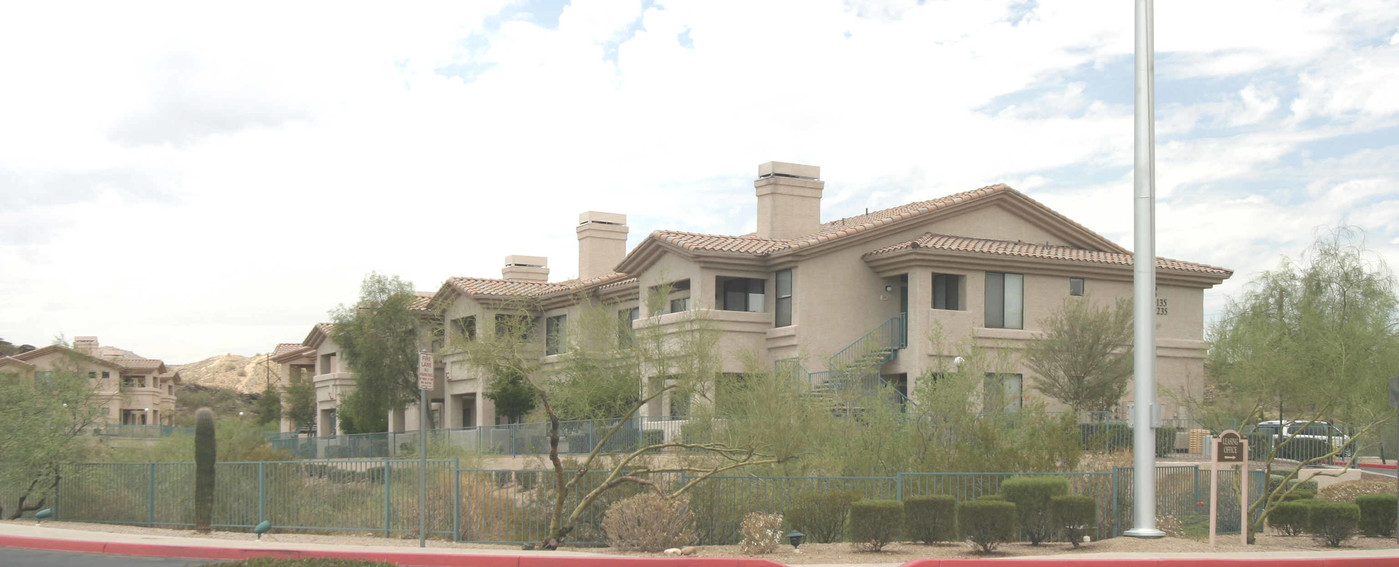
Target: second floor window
<point>464,328</point>
<point>625,335</point>
<point>556,334</point>
<point>1076,286</point>
<point>1005,300</point>
<point>947,291</point>
<point>739,294</point>
<point>783,307</point>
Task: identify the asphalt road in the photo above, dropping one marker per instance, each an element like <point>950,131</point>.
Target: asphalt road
<point>13,557</point>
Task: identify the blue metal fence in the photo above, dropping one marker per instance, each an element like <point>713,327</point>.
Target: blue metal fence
<point>510,506</point>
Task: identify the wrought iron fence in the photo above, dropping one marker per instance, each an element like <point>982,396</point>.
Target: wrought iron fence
<point>511,506</point>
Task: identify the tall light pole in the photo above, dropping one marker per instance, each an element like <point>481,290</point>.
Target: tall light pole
<point>1144,286</point>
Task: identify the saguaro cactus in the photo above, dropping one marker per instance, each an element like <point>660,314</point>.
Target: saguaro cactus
<point>204,453</point>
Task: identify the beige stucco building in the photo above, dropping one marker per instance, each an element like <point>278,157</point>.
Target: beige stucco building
<point>980,268</point>
<point>132,390</point>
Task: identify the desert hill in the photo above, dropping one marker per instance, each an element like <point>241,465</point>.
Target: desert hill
<point>243,374</point>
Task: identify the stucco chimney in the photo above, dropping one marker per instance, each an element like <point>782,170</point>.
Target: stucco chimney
<point>789,199</point>
<point>526,268</point>
<point>85,345</point>
<point>602,243</point>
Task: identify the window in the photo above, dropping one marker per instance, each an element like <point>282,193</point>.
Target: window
<point>556,334</point>
<point>465,327</point>
<point>739,294</point>
<point>106,375</point>
<point>783,307</point>
<point>679,304</point>
<point>517,325</point>
<point>947,291</point>
<point>1005,300</point>
<point>327,363</point>
<point>1004,391</point>
<point>625,335</point>
<point>91,375</point>
<point>1076,287</point>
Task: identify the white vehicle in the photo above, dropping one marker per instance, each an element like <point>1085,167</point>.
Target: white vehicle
<point>1319,430</point>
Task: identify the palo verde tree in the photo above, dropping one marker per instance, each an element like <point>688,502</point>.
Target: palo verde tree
<point>599,359</point>
<point>299,400</point>
<point>1084,358</point>
<point>378,338</point>
<point>45,419</point>
<point>1314,340</point>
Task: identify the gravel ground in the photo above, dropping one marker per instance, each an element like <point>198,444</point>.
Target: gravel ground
<point>811,552</point>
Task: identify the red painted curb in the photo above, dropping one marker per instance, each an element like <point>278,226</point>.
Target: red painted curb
<point>1374,466</point>
<point>1156,562</point>
<point>399,558</point>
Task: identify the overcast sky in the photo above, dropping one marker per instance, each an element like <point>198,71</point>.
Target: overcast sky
<point>184,179</point>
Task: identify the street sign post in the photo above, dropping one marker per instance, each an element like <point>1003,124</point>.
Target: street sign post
<point>425,383</point>
<point>1229,450</point>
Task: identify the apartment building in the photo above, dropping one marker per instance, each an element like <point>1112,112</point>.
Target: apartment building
<point>318,356</point>
<point>133,390</point>
<point>980,268</point>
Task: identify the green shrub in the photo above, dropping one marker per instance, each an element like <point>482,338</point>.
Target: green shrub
<point>1031,495</point>
<point>1290,518</point>
<point>205,455</point>
<point>930,519</point>
<point>649,522</point>
<point>821,514</point>
<point>1299,494</point>
<point>986,523</point>
<point>1377,514</point>
<point>1333,522</point>
<point>1073,516</point>
<point>992,498</point>
<point>874,523</point>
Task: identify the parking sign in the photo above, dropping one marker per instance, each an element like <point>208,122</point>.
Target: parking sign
<point>425,373</point>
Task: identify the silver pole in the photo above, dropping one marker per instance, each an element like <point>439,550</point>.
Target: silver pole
<point>422,468</point>
<point>1144,287</point>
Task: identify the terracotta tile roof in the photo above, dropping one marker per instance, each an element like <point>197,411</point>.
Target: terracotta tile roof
<point>518,288</point>
<point>284,348</point>
<point>1031,250</point>
<point>604,281</point>
<point>420,300</point>
<point>746,244</point>
<point>139,363</point>
<point>751,244</point>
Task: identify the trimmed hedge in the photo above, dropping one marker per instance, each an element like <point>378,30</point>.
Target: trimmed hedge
<point>1073,516</point>
<point>930,519</point>
<point>1377,514</point>
<point>1290,518</point>
<point>992,497</point>
<point>821,515</point>
<point>875,523</point>
<point>986,523</point>
<point>1031,495</point>
<point>1333,522</point>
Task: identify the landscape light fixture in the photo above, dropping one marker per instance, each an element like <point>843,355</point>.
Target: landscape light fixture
<point>888,288</point>
<point>795,537</point>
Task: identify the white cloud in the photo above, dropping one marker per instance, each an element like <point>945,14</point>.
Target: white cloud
<point>205,180</point>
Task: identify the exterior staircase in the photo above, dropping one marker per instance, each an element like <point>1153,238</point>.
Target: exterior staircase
<point>853,373</point>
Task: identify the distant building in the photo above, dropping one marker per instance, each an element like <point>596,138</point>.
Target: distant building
<point>133,390</point>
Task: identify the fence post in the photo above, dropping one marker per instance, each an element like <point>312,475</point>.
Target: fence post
<point>150,499</point>
<point>1115,511</point>
<point>1197,489</point>
<point>388,504</point>
<point>456,499</point>
<point>261,492</point>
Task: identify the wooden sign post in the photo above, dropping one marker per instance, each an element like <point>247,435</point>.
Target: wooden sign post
<point>1230,449</point>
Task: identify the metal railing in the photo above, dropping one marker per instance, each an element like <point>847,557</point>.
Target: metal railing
<point>510,506</point>
<point>141,431</point>
<point>575,437</point>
